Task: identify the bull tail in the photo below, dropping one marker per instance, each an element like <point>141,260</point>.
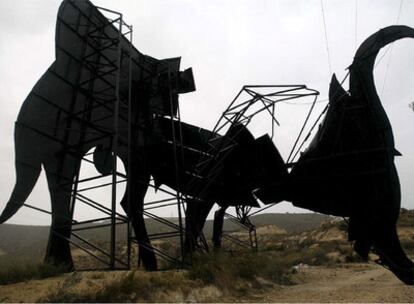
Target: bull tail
<point>28,168</point>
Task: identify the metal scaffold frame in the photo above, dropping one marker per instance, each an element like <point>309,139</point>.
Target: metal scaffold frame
<point>99,68</point>
<point>241,220</point>
<point>175,197</point>
<point>117,177</point>
<point>103,67</point>
<point>107,71</point>
<point>242,111</point>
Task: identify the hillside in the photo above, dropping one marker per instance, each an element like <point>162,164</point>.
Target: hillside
<point>292,265</point>
<point>291,222</point>
<point>28,242</point>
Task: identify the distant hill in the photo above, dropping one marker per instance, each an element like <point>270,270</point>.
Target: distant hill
<point>291,222</point>
<point>21,240</point>
<point>314,256</point>
<point>30,241</point>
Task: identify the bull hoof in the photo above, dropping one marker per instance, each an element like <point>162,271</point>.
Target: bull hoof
<point>63,263</point>
<point>66,267</point>
<point>62,267</point>
<point>148,259</point>
<point>150,267</point>
<point>362,248</point>
<point>401,268</point>
<point>392,256</point>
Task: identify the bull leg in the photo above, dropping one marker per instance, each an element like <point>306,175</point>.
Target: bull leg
<point>196,216</point>
<point>381,235</point>
<point>360,232</point>
<point>218,226</point>
<point>60,182</point>
<point>137,185</point>
<point>387,246</point>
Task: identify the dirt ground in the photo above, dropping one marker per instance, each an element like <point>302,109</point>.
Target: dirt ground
<point>344,283</point>
<point>349,283</point>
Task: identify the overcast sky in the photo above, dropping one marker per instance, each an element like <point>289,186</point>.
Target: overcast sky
<point>228,44</point>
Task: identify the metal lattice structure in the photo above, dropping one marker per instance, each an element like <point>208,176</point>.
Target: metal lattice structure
<point>100,39</point>
<point>250,102</point>
<point>106,55</point>
<point>114,35</point>
<point>97,64</point>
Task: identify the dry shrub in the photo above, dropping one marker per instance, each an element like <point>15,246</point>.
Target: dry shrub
<point>23,272</point>
<point>131,287</point>
<point>224,270</point>
<point>406,218</point>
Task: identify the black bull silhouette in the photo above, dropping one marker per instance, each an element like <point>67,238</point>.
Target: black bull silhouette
<point>348,169</point>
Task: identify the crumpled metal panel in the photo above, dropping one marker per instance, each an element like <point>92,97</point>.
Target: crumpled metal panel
<point>245,166</point>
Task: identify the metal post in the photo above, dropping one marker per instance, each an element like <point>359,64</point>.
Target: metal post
<point>177,178</point>
<point>97,85</point>
<point>129,147</point>
<point>115,150</point>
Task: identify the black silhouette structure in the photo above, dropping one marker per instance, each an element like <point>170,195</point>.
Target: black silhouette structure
<point>348,169</point>
<point>240,163</point>
<point>99,93</point>
<point>102,99</point>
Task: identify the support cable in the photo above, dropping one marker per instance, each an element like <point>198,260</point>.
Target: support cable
<point>326,38</point>
<point>391,48</point>
<point>301,130</point>
<point>356,25</point>
<point>291,159</point>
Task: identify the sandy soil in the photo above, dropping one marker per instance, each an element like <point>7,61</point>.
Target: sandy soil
<point>347,283</point>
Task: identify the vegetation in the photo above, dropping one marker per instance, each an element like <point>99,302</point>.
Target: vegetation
<point>29,241</point>
<point>23,272</point>
<point>130,287</point>
<point>222,269</point>
<point>291,222</point>
<point>406,218</point>
<point>230,274</point>
<point>234,274</point>
<point>226,274</point>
